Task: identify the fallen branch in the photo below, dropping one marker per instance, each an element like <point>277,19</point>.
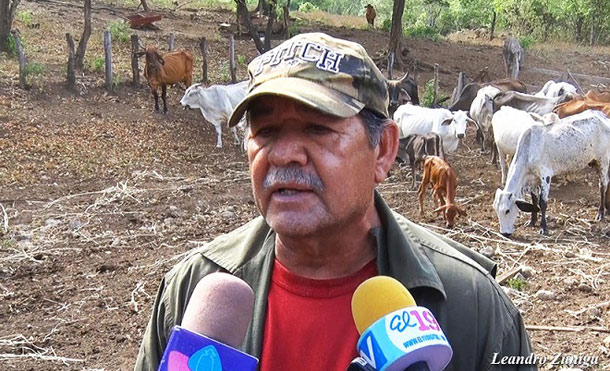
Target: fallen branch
<point>5,219</point>
<point>508,275</point>
<point>567,329</point>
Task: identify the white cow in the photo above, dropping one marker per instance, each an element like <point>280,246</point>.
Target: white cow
<point>569,145</point>
<point>216,104</point>
<point>508,125</point>
<point>482,110</point>
<point>552,89</point>
<point>450,126</point>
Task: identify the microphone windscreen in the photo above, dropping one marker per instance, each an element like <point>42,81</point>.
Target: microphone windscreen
<point>376,297</point>
<point>221,308</point>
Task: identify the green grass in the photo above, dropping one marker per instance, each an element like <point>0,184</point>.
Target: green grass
<point>98,64</point>
<point>34,69</point>
<point>241,60</point>
<point>518,284</point>
<point>526,42</point>
<point>26,17</point>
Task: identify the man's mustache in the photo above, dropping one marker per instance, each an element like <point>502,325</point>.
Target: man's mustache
<point>292,174</point>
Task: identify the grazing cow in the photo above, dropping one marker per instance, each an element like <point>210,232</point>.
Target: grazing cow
<point>528,102</point>
<point>567,146</point>
<point>450,126</point>
<point>513,56</point>
<point>216,104</point>
<point>402,91</point>
<point>169,68</point>
<point>591,100</point>
<point>469,92</point>
<point>416,148</point>
<point>443,179</point>
<point>552,89</point>
<point>481,111</point>
<point>508,125</point>
<point>370,15</point>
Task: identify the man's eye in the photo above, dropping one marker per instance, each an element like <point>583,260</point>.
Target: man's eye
<point>263,132</point>
<point>319,129</point>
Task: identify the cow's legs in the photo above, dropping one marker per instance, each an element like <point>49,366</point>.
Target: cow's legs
<point>234,131</point>
<point>164,96</point>
<point>603,187</point>
<point>218,128</point>
<point>534,217</point>
<point>156,95</point>
<point>545,187</point>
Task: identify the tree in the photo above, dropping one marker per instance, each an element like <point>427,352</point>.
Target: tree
<point>396,32</point>
<point>82,45</point>
<point>8,8</point>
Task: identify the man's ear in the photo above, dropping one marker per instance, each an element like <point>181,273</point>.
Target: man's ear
<point>386,151</point>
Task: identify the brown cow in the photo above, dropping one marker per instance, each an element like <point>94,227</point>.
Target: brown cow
<point>591,100</point>
<point>169,68</point>
<point>370,15</point>
<point>443,179</point>
<point>416,148</point>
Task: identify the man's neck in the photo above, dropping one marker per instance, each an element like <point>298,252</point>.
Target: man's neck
<point>330,255</point>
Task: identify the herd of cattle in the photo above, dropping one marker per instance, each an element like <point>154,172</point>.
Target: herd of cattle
<point>551,132</point>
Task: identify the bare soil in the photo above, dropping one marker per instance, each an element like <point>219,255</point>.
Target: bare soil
<point>102,196</point>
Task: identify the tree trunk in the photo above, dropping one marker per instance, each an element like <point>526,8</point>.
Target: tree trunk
<point>286,15</point>
<point>493,26</point>
<point>396,33</point>
<point>232,67</point>
<point>242,11</point>
<point>71,76</point>
<point>144,5</point>
<point>82,44</point>
<point>8,8</point>
<point>262,8</point>
<point>135,68</point>
<point>21,58</point>
<point>269,30</point>
<point>204,62</point>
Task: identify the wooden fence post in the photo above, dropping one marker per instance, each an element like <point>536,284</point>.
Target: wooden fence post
<point>390,65</point>
<point>435,85</point>
<point>135,69</point>
<point>108,59</point>
<point>71,62</point>
<point>232,59</point>
<point>460,86</point>
<point>204,64</point>
<point>20,58</point>
<point>171,42</point>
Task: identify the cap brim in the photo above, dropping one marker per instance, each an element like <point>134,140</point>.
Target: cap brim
<point>312,94</point>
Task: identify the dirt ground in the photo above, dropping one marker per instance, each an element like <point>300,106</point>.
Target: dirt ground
<point>100,196</point>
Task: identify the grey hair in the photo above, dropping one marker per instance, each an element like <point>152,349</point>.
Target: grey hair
<point>374,124</point>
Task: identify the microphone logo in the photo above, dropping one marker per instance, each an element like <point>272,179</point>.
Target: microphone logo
<point>205,359</point>
<point>372,352</point>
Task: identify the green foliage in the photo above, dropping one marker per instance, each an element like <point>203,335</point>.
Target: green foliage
<point>34,69</point>
<point>428,96</point>
<point>526,42</point>
<point>119,30</point>
<point>386,25</point>
<point>518,284</point>
<point>224,73</point>
<point>98,64</point>
<point>25,17</point>
<point>294,29</point>
<point>241,59</point>
<point>308,7</point>
<point>423,32</point>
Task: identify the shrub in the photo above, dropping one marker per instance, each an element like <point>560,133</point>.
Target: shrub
<point>25,17</point>
<point>423,32</point>
<point>308,7</point>
<point>119,30</point>
<point>98,64</point>
<point>526,42</point>
<point>34,69</point>
<point>518,284</point>
<point>386,25</point>
<point>428,97</point>
<point>241,59</point>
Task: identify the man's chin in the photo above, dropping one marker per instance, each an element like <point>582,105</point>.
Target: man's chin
<point>293,225</point>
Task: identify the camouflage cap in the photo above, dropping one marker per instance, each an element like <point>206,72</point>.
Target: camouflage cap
<point>332,75</point>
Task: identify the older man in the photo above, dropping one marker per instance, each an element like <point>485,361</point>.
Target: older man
<point>320,142</point>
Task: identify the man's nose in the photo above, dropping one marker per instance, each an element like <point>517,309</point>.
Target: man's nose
<point>287,149</point>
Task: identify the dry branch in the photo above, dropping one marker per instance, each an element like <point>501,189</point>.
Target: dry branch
<point>4,220</point>
<point>568,329</point>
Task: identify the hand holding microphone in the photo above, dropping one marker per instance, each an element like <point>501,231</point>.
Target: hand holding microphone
<point>214,325</point>
<point>396,335</point>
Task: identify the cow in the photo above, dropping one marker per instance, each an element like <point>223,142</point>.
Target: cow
<point>450,126</point>
<point>513,57</point>
<point>402,91</point>
<point>370,15</point>
<point>444,183</point>
<point>591,100</point>
<point>416,148</point>
<point>169,68</point>
<point>508,125</point>
<point>481,111</point>
<point>469,92</point>
<point>567,146</point>
<point>528,102</point>
<point>552,89</point>
<point>216,104</point>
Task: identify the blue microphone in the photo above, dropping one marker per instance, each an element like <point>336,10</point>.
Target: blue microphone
<point>213,327</point>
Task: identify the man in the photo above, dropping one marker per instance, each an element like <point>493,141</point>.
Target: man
<point>320,142</point>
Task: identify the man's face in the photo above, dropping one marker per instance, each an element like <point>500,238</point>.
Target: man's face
<point>311,173</point>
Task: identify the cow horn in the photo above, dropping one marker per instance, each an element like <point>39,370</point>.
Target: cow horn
<point>404,78</point>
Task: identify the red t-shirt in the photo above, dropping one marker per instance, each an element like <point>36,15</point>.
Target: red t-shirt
<point>309,323</point>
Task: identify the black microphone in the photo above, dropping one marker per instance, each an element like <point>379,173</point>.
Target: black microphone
<point>359,364</point>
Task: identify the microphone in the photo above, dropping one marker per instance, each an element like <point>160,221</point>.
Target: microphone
<point>396,334</point>
<point>214,325</point>
<point>359,364</point>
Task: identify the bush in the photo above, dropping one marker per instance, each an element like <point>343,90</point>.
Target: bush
<point>428,97</point>
<point>25,17</point>
<point>518,284</point>
<point>423,32</point>
<point>241,59</point>
<point>526,42</point>
<point>98,64</point>
<point>119,30</point>
<point>386,25</point>
<point>34,69</point>
<point>308,7</point>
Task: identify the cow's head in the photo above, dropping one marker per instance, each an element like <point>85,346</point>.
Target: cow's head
<point>153,58</point>
<point>398,93</point>
<point>191,98</point>
<point>450,212</point>
<point>507,208</point>
<point>460,122</point>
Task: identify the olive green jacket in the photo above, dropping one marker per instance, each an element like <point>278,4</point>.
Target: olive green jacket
<point>454,282</point>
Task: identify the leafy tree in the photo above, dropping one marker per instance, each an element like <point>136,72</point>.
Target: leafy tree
<point>8,8</point>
